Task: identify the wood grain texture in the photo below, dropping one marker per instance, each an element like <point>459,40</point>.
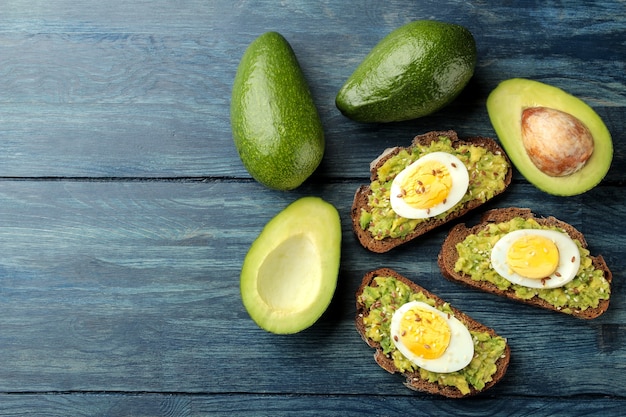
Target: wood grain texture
<point>136,288</point>
<point>169,405</point>
<point>125,213</point>
<point>143,90</point>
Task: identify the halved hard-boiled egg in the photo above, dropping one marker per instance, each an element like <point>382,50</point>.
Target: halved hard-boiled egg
<point>536,258</point>
<point>430,338</point>
<point>433,184</point>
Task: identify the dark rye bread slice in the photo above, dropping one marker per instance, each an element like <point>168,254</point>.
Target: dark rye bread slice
<point>448,256</point>
<point>413,380</point>
<point>361,196</point>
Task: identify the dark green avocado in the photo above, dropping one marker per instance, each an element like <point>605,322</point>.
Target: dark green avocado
<point>275,125</point>
<point>412,72</point>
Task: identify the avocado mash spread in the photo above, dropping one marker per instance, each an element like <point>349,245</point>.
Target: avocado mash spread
<point>584,291</point>
<point>487,172</point>
<point>383,299</point>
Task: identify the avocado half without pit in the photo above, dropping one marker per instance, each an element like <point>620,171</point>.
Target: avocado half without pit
<point>289,274</point>
<point>556,141</point>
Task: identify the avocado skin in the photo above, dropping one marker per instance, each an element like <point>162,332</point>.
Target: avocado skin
<point>412,72</point>
<point>275,125</point>
<point>505,105</point>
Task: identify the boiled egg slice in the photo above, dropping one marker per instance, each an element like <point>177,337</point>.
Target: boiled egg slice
<point>433,184</point>
<point>430,338</point>
<point>536,258</point>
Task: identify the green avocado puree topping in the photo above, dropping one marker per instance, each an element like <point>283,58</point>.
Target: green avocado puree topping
<point>586,290</point>
<point>386,296</point>
<point>487,173</point>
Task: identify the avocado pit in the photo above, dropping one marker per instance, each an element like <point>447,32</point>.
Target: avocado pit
<point>558,143</point>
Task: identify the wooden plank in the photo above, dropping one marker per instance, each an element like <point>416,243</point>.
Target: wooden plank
<point>413,405</point>
<point>172,405</point>
<point>116,404</point>
<point>100,92</point>
<point>134,287</point>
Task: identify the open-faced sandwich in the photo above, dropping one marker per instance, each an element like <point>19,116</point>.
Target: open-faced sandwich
<point>436,347</point>
<point>540,261</point>
<point>415,189</point>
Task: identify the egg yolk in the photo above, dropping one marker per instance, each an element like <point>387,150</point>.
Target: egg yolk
<point>533,256</point>
<point>427,185</point>
<point>425,333</point>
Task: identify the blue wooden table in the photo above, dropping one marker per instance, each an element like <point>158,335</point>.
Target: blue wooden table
<point>125,212</point>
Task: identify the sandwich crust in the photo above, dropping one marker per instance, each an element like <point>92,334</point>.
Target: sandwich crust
<point>449,255</point>
<point>361,197</point>
<point>412,378</point>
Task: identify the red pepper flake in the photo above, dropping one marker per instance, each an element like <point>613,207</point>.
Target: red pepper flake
<point>573,259</point>
<point>395,337</point>
<point>453,165</point>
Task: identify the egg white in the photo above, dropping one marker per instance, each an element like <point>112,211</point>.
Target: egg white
<point>457,356</point>
<point>569,259</point>
<point>460,182</point>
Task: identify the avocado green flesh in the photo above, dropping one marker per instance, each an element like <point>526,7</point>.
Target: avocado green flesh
<point>382,299</point>
<point>586,290</point>
<point>505,105</point>
<point>412,72</point>
<point>289,274</point>
<point>275,125</point>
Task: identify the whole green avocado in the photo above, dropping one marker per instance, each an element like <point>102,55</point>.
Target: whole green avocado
<point>412,72</point>
<point>275,125</point>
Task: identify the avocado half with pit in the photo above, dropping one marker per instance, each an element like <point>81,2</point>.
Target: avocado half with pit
<point>555,140</point>
<point>289,275</point>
